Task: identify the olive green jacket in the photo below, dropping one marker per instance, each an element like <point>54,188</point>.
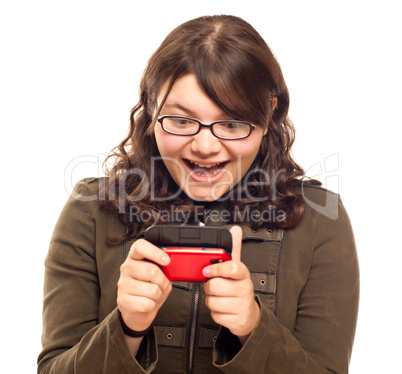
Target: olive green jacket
<point>306,280</point>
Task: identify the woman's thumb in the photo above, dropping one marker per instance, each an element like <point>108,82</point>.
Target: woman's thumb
<point>237,235</point>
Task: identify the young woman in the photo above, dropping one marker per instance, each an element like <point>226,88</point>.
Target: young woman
<point>209,144</point>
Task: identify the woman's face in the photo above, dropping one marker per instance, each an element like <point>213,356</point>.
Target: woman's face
<point>204,166</point>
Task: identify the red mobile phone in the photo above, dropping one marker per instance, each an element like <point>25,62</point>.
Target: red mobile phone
<point>191,248</point>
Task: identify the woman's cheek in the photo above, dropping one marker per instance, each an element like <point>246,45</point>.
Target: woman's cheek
<point>169,145</point>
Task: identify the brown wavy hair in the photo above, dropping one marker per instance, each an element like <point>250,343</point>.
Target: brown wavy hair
<point>239,72</point>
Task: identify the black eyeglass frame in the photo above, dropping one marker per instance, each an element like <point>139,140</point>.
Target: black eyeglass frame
<point>208,125</point>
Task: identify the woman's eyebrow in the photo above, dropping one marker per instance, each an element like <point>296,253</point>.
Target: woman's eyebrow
<point>181,107</point>
<point>188,111</point>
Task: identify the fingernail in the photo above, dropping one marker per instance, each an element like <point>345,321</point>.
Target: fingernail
<point>206,271</point>
<point>165,259</point>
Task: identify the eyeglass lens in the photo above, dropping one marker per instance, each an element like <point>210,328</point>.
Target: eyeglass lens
<point>188,126</point>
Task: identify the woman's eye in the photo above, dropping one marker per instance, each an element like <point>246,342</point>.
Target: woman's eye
<point>182,122</point>
<point>233,125</point>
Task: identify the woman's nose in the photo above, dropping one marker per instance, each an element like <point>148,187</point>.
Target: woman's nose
<point>205,143</point>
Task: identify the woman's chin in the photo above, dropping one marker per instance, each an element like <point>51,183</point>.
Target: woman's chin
<point>205,193</point>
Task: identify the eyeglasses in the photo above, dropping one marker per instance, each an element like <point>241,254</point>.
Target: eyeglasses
<point>185,126</point>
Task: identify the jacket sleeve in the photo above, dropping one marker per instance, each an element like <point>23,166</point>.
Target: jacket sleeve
<point>326,317</point>
<point>73,339</point>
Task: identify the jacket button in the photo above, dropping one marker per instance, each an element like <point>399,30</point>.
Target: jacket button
<point>214,339</point>
<point>262,282</point>
<point>269,231</point>
<point>169,335</point>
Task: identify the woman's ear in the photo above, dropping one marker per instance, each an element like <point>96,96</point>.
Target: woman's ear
<point>274,102</point>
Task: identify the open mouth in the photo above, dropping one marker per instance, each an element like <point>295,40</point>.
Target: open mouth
<point>205,169</point>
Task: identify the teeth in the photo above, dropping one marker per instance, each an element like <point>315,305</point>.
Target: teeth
<point>207,167</point>
<point>216,172</point>
<point>203,165</point>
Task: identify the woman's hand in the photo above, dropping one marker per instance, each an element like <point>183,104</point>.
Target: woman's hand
<point>142,288</point>
<point>229,294</point>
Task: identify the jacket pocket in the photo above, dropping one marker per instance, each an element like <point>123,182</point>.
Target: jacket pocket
<point>170,336</point>
<point>265,286</point>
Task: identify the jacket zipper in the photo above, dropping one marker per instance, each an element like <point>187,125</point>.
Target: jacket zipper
<point>194,319</point>
<point>193,328</point>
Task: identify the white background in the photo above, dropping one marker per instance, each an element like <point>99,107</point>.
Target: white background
<point>69,76</point>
